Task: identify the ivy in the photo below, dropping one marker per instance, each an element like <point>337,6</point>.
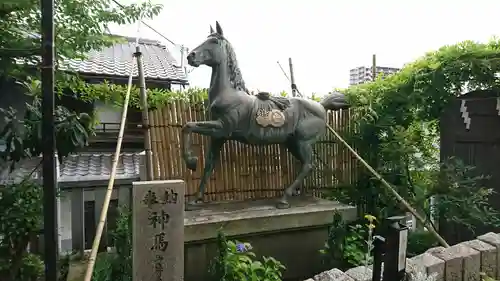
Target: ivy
<point>396,120</point>
<point>114,94</point>
<point>423,88</point>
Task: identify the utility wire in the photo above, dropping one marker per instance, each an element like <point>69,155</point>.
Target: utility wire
<point>284,72</point>
<point>289,80</point>
<point>150,27</point>
<point>182,48</point>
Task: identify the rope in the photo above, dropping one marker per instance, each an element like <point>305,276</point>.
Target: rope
<point>109,191</point>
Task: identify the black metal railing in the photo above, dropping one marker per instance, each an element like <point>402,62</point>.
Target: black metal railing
<point>114,128</point>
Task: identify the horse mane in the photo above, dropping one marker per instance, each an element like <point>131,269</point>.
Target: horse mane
<point>235,77</point>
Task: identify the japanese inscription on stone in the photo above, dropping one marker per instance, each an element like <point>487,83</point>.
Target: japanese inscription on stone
<point>158,230</point>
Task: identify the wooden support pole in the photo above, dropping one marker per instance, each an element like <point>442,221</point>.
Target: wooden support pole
<point>292,78</point>
<point>145,116</point>
<point>50,227</point>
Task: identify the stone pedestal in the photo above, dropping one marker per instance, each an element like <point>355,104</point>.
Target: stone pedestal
<point>292,235</point>
<point>158,230</point>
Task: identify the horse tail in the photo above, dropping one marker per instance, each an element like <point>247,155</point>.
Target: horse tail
<point>335,101</point>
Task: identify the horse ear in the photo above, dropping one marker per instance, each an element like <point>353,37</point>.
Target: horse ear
<point>211,30</point>
<point>218,28</point>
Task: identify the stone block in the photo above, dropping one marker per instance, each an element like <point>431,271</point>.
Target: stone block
<point>453,263</point>
<point>360,273</point>
<point>158,230</point>
<point>488,255</point>
<point>414,268</point>
<point>434,250</point>
<point>471,264</point>
<point>333,275</point>
<point>494,240</point>
<point>461,262</point>
<point>428,264</point>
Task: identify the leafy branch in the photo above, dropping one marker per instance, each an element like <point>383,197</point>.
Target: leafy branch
<point>23,138</point>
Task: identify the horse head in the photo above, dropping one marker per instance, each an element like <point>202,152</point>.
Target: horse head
<point>216,51</point>
<point>212,51</point>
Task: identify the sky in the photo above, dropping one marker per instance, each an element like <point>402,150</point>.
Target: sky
<point>324,38</point>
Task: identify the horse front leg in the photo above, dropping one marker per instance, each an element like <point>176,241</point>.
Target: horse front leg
<point>211,157</point>
<point>212,129</point>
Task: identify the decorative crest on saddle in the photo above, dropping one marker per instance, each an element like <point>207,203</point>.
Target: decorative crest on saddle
<point>272,117</point>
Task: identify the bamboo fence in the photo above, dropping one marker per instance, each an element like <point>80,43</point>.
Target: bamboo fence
<point>244,171</point>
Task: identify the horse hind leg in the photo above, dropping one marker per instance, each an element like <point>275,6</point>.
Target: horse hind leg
<point>303,151</point>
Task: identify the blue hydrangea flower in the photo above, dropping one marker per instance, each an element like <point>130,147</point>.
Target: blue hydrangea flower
<point>240,248</point>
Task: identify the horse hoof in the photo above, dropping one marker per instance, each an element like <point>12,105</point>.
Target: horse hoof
<point>194,205</point>
<point>282,205</point>
<point>191,163</point>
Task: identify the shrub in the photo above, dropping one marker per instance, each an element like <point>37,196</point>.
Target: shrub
<point>21,219</point>
<point>420,241</point>
<point>349,244</point>
<point>236,261</point>
<point>122,235</point>
<point>103,267</point>
<point>118,265</point>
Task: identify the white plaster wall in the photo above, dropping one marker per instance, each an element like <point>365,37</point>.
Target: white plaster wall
<point>108,114</point>
<point>65,223</point>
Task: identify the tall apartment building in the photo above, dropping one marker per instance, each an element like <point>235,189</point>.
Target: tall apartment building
<point>363,74</point>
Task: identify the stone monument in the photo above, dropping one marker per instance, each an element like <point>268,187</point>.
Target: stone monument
<point>158,230</point>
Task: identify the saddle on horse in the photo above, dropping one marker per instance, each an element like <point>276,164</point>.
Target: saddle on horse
<point>281,102</point>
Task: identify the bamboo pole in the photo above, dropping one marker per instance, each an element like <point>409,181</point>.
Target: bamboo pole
<point>145,117</point>
<point>109,191</point>
<point>391,189</point>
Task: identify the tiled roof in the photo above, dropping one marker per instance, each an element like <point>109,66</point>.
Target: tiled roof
<point>117,61</point>
<point>80,167</point>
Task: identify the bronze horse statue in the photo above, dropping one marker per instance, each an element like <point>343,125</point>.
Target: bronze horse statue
<point>296,123</point>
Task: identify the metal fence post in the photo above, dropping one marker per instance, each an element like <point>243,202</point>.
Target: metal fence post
<point>396,244</point>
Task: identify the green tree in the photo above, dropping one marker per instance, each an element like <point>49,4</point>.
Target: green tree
<point>79,27</point>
